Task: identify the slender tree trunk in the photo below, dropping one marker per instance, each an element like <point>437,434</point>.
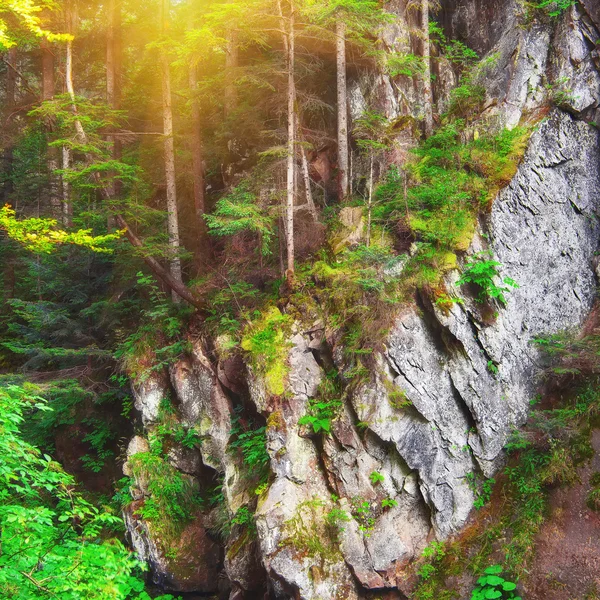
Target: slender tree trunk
<point>306,175</point>
<point>8,267</point>
<point>197,163</point>
<point>427,91</point>
<point>48,84</point>
<point>342,109</point>
<point>291,162</point>
<point>231,63</point>
<point>67,206</point>
<point>11,102</point>
<point>169,152</point>
<point>113,70</point>
<point>48,91</point>
<point>370,204</point>
<point>113,88</point>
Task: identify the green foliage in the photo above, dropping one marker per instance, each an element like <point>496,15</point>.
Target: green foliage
<point>311,533</point>
<point>158,341</point>
<point>364,515</point>
<point>593,498</point>
<point>265,342</point>
<point>482,488</point>
<point>336,518</point>
<point>173,496</point>
<point>245,518</point>
<point>491,586</point>
<point>448,183</point>
<point>481,271</point>
<point>228,305</point>
<point>454,50</point>
<point>323,409</point>
<point>25,15</point>
<point>407,64</point>
<point>432,556</point>
<point>42,236</point>
<point>252,444</point>
<point>239,212</point>
<point>54,542</point>
<point>554,8</point>
<point>376,477</point>
<point>389,503</point>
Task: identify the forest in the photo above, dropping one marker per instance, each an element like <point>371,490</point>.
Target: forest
<point>299,299</point>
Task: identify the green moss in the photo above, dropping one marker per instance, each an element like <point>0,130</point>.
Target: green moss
<point>265,341</point>
<point>309,533</point>
<point>173,497</point>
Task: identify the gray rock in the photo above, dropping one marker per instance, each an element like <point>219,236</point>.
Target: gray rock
<point>137,445</point>
<point>203,404</point>
<point>148,394</point>
<point>544,231</point>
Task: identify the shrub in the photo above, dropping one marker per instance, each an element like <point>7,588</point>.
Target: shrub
<point>376,477</point>
<point>388,503</point>
<point>491,586</point>
<point>239,212</point>
<point>173,496</point>
<point>481,271</point>
<point>252,444</point>
<point>554,7</point>
<point>55,544</point>
<point>323,409</point>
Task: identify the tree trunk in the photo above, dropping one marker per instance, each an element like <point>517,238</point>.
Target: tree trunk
<point>231,63</point>
<point>342,109</point>
<point>197,163</point>
<point>48,91</point>
<point>370,204</point>
<point>427,91</point>
<point>176,286</point>
<point>48,85</point>
<point>169,152</point>
<point>113,66</point>
<point>113,86</point>
<point>67,206</point>
<point>11,101</point>
<point>306,175</point>
<point>291,162</point>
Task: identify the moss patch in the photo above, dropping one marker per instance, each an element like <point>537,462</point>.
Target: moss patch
<point>265,341</point>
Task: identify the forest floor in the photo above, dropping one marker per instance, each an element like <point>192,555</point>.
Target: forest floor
<point>567,552</point>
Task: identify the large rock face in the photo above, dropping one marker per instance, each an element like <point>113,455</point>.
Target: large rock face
<point>450,385</point>
<point>543,229</point>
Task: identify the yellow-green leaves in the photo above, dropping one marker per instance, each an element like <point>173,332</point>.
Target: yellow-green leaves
<point>42,236</point>
<point>27,14</point>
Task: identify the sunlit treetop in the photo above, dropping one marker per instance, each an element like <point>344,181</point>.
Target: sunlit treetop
<point>42,236</point>
<point>28,16</point>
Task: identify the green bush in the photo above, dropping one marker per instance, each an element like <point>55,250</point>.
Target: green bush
<point>173,496</point>
<point>482,272</point>
<point>323,409</point>
<point>55,544</point>
<point>492,586</point>
<point>252,444</point>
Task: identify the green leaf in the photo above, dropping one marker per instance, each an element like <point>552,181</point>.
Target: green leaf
<point>493,570</point>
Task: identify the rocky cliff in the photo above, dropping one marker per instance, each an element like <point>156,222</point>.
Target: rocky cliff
<point>451,382</point>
